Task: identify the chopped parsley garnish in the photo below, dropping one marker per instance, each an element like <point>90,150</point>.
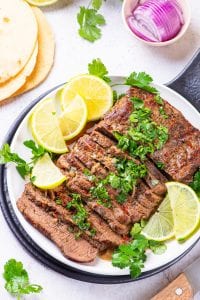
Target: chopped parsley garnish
<point>195,184</point>
<point>144,136</point>
<point>97,68</point>
<point>133,254</point>
<point>141,80</point>
<point>100,192</point>
<point>160,165</point>
<point>116,96</point>
<point>22,166</point>
<point>80,216</point>
<point>124,180</point>
<point>163,113</point>
<point>90,21</point>
<point>17,280</point>
<point>58,201</point>
<point>89,175</point>
<point>158,99</point>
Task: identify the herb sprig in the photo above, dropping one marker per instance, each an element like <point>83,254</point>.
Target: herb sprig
<point>80,216</point>
<point>97,68</point>
<point>90,21</point>
<point>144,136</point>
<point>133,255</point>
<point>17,280</point>
<point>22,166</point>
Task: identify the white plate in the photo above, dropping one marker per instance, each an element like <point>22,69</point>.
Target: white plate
<point>99,266</point>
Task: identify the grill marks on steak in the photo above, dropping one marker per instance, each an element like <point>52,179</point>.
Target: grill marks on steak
<point>78,250</point>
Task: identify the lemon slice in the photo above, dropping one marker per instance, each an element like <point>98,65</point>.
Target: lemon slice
<point>46,175</point>
<point>160,226</point>
<point>96,93</point>
<point>45,127</point>
<point>41,2</point>
<point>73,119</point>
<point>185,207</point>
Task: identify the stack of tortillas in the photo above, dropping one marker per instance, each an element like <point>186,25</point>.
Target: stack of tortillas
<point>26,48</point>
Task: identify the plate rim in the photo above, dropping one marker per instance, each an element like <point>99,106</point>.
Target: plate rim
<point>40,254</point>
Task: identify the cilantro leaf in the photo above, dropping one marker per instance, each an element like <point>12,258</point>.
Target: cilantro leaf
<point>37,151</point>
<point>96,4</point>
<point>133,254</point>
<point>90,21</point>
<point>141,80</point>
<point>97,68</point>
<point>17,280</point>
<point>6,156</point>
<point>195,184</point>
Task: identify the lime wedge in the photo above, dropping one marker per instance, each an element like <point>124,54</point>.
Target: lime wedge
<point>96,93</point>
<point>160,226</point>
<point>46,175</point>
<point>45,127</point>
<point>185,208</point>
<point>73,119</point>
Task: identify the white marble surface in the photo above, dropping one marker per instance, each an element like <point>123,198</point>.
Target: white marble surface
<point>121,54</point>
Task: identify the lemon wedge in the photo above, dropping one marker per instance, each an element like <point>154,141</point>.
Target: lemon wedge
<point>73,119</point>
<point>45,127</point>
<point>45,173</point>
<point>96,93</point>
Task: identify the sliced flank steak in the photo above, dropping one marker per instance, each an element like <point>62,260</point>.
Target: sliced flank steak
<point>76,249</point>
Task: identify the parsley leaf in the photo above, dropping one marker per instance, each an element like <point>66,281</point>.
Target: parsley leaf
<point>97,68</point>
<point>141,80</point>
<point>22,166</point>
<point>133,254</point>
<point>80,216</point>
<point>6,156</point>
<point>195,184</point>
<point>17,280</point>
<point>90,22</point>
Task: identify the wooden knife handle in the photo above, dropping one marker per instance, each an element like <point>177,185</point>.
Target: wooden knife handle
<point>179,289</point>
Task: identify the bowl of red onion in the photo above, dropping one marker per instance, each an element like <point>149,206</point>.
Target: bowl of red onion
<point>157,22</point>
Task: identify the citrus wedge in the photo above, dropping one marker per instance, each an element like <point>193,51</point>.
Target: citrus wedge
<point>46,175</point>
<point>185,208</point>
<point>160,226</point>
<point>41,2</point>
<point>45,127</point>
<point>96,93</point>
<point>73,119</point>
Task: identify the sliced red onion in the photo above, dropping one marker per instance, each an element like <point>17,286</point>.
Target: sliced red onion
<point>156,20</point>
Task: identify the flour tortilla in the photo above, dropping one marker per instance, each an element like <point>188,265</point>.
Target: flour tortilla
<point>11,86</point>
<point>46,49</point>
<point>18,37</point>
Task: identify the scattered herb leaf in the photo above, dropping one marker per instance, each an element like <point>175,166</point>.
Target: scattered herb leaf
<point>90,22</point>
<point>160,165</point>
<point>97,68</point>
<point>17,280</point>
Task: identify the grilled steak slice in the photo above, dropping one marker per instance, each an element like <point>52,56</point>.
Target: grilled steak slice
<point>78,250</point>
<point>104,236</point>
<point>181,154</point>
<point>112,216</point>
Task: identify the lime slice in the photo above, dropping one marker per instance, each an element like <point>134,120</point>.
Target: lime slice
<point>41,2</point>
<point>73,119</point>
<point>45,127</point>
<point>185,207</point>
<point>160,226</point>
<point>46,175</point>
<point>96,93</point>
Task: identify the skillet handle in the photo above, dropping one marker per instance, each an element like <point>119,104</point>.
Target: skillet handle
<point>187,83</point>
